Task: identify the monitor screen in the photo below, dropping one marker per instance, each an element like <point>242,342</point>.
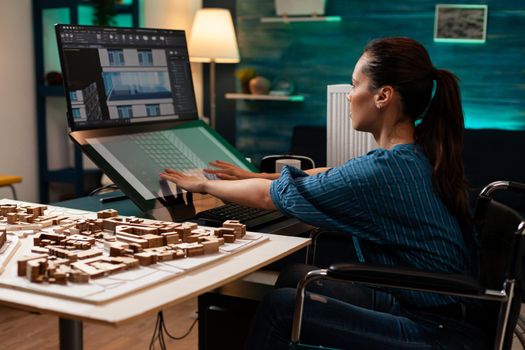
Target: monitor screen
<point>118,76</point>
<point>140,157</point>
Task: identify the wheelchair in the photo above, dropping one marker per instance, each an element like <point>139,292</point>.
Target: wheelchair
<point>500,232</point>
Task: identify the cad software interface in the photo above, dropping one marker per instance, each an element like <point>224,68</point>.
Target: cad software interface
<point>117,76</point>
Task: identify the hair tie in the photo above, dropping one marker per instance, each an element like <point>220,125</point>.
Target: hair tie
<point>434,73</point>
<point>432,94</point>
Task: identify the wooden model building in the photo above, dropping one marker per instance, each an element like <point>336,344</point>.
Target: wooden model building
<point>3,237</point>
<point>77,250</point>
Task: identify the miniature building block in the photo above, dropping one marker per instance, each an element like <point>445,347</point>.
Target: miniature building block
<point>78,276</point>
<point>129,262</point>
<point>170,238</point>
<point>87,269</point>
<point>139,241</point>
<point>239,229</point>
<point>194,249</point>
<point>224,230</point>
<point>145,230</point>
<point>7,208</point>
<point>146,259</point>
<point>22,263</point>
<point>35,210</point>
<point>62,253</point>
<point>169,227</point>
<point>165,255</point>
<point>184,230</point>
<point>108,213</point>
<point>108,267</point>
<point>116,251</point>
<point>210,246</point>
<point>46,223</point>
<point>136,248</point>
<point>191,239</point>
<point>153,240</point>
<point>39,250</point>
<point>91,253</point>
<point>3,237</point>
<point>35,269</point>
<point>12,218</point>
<point>229,238</point>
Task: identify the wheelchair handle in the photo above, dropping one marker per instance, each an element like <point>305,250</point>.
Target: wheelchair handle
<point>503,185</point>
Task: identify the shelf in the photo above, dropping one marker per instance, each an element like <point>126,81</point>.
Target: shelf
<point>291,98</point>
<point>119,8</point>
<point>73,12</point>
<point>68,175</point>
<point>54,90</point>
<point>285,19</point>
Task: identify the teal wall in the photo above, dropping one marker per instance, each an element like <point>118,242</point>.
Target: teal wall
<point>317,54</point>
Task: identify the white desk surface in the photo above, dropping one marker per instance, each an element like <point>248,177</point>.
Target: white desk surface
<point>154,299</point>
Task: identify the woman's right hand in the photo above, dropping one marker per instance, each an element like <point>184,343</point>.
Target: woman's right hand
<point>227,171</point>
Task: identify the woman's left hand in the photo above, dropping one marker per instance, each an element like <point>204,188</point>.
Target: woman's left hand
<point>186,182</point>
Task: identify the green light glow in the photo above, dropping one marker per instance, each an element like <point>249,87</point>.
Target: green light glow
<point>482,116</point>
<point>49,18</point>
<point>460,41</point>
<point>333,18</point>
<point>85,17</point>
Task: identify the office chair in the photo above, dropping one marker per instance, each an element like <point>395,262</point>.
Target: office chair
<point>10,180</point>
<point>501,250</point>
<point>268,163</point>
<point>308,144</point>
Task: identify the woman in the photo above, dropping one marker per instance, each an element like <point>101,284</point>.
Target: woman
<point>405,204</point>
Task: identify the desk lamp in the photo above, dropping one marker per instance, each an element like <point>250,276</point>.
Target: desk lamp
<point>212,40</point>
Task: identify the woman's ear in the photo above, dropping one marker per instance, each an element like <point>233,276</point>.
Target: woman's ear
<point>384,96</point>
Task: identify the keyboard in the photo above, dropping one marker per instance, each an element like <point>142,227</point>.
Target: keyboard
<point>251,217</point>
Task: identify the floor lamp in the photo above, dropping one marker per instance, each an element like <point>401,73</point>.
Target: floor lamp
<point>213,40</point>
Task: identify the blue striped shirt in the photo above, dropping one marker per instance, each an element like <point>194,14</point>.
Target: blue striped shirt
<point>387,202</point>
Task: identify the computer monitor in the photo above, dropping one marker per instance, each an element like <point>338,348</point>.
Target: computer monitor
<point>118,76</point>
<point>132,110</point>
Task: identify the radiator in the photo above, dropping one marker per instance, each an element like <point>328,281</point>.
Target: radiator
<point>343,142</point>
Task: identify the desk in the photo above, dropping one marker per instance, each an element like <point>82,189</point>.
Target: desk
<point>126,206</point>
<point>152,299</point>
<point>287,227</point>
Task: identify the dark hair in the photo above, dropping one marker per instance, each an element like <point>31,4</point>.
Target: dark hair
<point>405,65</point>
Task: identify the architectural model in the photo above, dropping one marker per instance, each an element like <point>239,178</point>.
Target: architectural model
<point>9,243</point>
<point>84,249</point>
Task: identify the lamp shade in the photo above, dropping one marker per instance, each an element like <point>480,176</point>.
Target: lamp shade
<point>212,37</point>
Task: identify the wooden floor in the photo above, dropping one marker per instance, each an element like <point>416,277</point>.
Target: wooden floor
<point>24,331</point>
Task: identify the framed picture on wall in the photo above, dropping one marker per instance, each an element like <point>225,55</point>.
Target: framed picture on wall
<point>460,23</point>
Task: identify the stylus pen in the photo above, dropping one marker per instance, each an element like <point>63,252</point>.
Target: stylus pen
<point>113,199</point>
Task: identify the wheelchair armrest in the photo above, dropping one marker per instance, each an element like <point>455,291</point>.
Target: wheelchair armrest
<point>311,257</point>
<point>406,278</point>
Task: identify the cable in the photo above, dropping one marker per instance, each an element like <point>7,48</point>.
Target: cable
<point>102,188</point>
<point>174,337</point>
<point>160,329</point>
<point>153,337</point>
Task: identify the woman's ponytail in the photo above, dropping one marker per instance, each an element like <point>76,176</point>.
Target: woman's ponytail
<point>440,134</point>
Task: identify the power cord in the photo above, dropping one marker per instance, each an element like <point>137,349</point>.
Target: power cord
<point>102,188</point>
<point>160,330</point>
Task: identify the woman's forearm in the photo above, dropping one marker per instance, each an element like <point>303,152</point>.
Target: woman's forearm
<point>267,176</point>
<point>315,171</point>
<point>249,192</point>
<point>274,176</point>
